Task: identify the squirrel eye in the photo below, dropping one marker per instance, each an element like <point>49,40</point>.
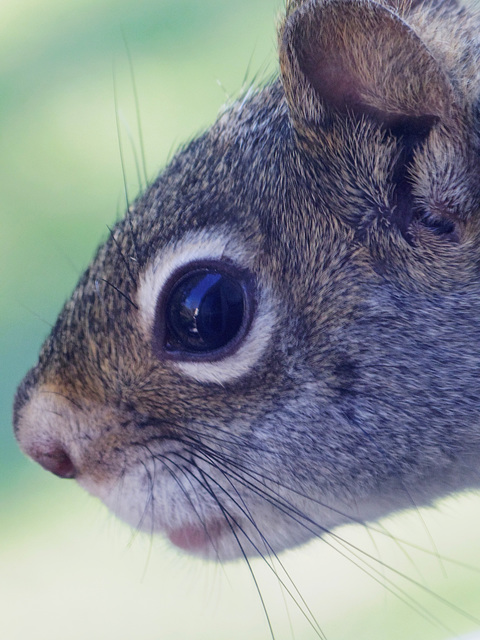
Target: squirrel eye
<point>203,313</point>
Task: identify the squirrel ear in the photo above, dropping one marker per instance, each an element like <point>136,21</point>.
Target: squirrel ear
<point>360,57</point>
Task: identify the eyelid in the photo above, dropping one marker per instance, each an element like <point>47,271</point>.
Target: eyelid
<point>224,245</point>
<point>195,246</point>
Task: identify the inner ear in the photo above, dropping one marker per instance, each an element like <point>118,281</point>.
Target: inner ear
<point>362,58</point>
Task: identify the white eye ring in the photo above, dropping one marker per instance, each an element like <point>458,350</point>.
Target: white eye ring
<point>205,246</point>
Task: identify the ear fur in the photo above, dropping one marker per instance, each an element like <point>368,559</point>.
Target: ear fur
<point>360,57</point>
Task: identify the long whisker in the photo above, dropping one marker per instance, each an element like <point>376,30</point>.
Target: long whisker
<point>399,593</point>
<point>122,255</point>
<point>119,138</point>
<point>235,441</point>
<point>166,460</point>
<point>229,519</point>
<point>259,484</point>
<point>133,151</point>
<point>427,531</point>
<point>137,109</point>
<point>206,485</point>
<point>244,509</point>
<point>149,504</point>
<point>120,292</point>
<point>124,175</point>
<point>303,519</point>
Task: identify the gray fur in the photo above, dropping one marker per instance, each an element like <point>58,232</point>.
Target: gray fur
<point>359,210</point>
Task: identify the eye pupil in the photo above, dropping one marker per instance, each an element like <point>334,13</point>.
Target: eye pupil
<point>204,312</point>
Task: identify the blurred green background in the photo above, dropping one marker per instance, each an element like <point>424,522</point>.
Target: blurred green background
<point>68,569</point>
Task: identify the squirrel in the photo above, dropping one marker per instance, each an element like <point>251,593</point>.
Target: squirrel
<point>282,335</point>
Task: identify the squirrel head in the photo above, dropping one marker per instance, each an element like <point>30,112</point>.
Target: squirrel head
<point>282,333</point>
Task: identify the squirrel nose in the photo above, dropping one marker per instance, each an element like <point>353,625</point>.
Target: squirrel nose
<point>35,428</point>
<point>53,458</point>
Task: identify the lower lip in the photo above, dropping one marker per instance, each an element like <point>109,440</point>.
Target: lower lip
<point>197,538</point>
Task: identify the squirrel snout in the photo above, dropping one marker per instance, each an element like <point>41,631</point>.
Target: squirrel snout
<point>36,421</point>
<point>53,457</point>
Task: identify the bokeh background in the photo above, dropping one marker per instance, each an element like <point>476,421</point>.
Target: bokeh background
<point>68,569</point>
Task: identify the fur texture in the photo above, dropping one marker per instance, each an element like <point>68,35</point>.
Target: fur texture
<point>349,190</point>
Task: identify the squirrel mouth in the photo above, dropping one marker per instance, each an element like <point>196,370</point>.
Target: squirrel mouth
<point>197,538</point>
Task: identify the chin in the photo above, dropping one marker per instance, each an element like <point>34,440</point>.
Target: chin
<point>197,524</point>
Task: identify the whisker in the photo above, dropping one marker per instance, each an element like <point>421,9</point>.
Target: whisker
<point>188,475</point>
<point>384,581</point>
<point>62,395</point>
<point>36,315</point>
<point>119,291</point>
<point>102,302</point>
<point>349,547</point>
<point>244,509</point>
<point>312,620</point>
<point>257,482</point>
<point>228,519</point>
<point>234,441</point>
<point>122,255</point>
<point>124,175</point>
<point>402,550</point>
<point>205,484</point>
<point>150,500</point>
<point>137,110</point>
<point>427,531</point>
<point>133,150</point>
<point>119,138</point>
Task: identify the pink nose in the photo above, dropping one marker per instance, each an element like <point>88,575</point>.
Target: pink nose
<point>53,458</point>
<point>34,419</point>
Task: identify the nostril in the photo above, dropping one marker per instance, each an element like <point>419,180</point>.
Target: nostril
<point>54,459</point>
<point>42,415</point>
